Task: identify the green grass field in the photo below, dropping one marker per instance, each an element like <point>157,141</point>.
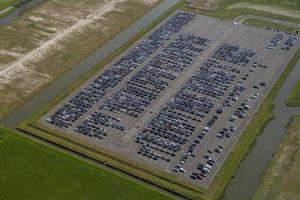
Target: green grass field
<point>6,3</point>
<point>289,4</point>
<point>32,171</point>
<point>218,8</point>
<point>282,178</point>
<point>294,96</point>
<point>262,23</point>
<point>221,4</point>
<point>5,8</point>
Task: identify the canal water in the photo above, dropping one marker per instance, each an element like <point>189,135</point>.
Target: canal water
<point>248,175</point>
<point>8,18</point>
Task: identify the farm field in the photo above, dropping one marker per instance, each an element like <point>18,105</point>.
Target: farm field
<point>46,41</point>
<point>282,178</point>
<point>30,170</point>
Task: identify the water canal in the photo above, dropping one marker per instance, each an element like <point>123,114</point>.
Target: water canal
<point>248,175</point>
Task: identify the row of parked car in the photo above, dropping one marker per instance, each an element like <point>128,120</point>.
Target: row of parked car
<point>139,92</point>
<point>278,38</point>
<point>275,41</point>
<point>234,54</point>
<point>216,78</point>
<point>210,81</point>
<point>144,87</point>
<point>175,123</point>
<point>207,163</point>
<point>78,105</point>
<point>290,42</point>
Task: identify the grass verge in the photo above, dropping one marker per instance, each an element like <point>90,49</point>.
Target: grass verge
<point>233,13</point>
<point>5,4</point>
<point>262,23</point>
<point>34,171</point>
<point>294,96</point>
<point>282,177</point>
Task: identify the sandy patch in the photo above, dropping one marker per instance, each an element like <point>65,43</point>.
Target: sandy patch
<point>36,19</point>
<point>206,5</point>
<point>10,53</point>
<point>149,2</point>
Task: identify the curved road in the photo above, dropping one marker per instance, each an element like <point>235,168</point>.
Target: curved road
<point>240,19</point>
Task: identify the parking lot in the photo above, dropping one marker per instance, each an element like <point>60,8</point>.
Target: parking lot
<point>179,98</point>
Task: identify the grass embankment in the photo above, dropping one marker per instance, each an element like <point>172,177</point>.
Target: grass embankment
<point>294,96</point>
<point>262,23</point>
<point>34,171</point>
<point>6,7</point>
<point>219,8</point>
<point>6,3</point>
<point>282,177</point>
<point>221,4</point>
